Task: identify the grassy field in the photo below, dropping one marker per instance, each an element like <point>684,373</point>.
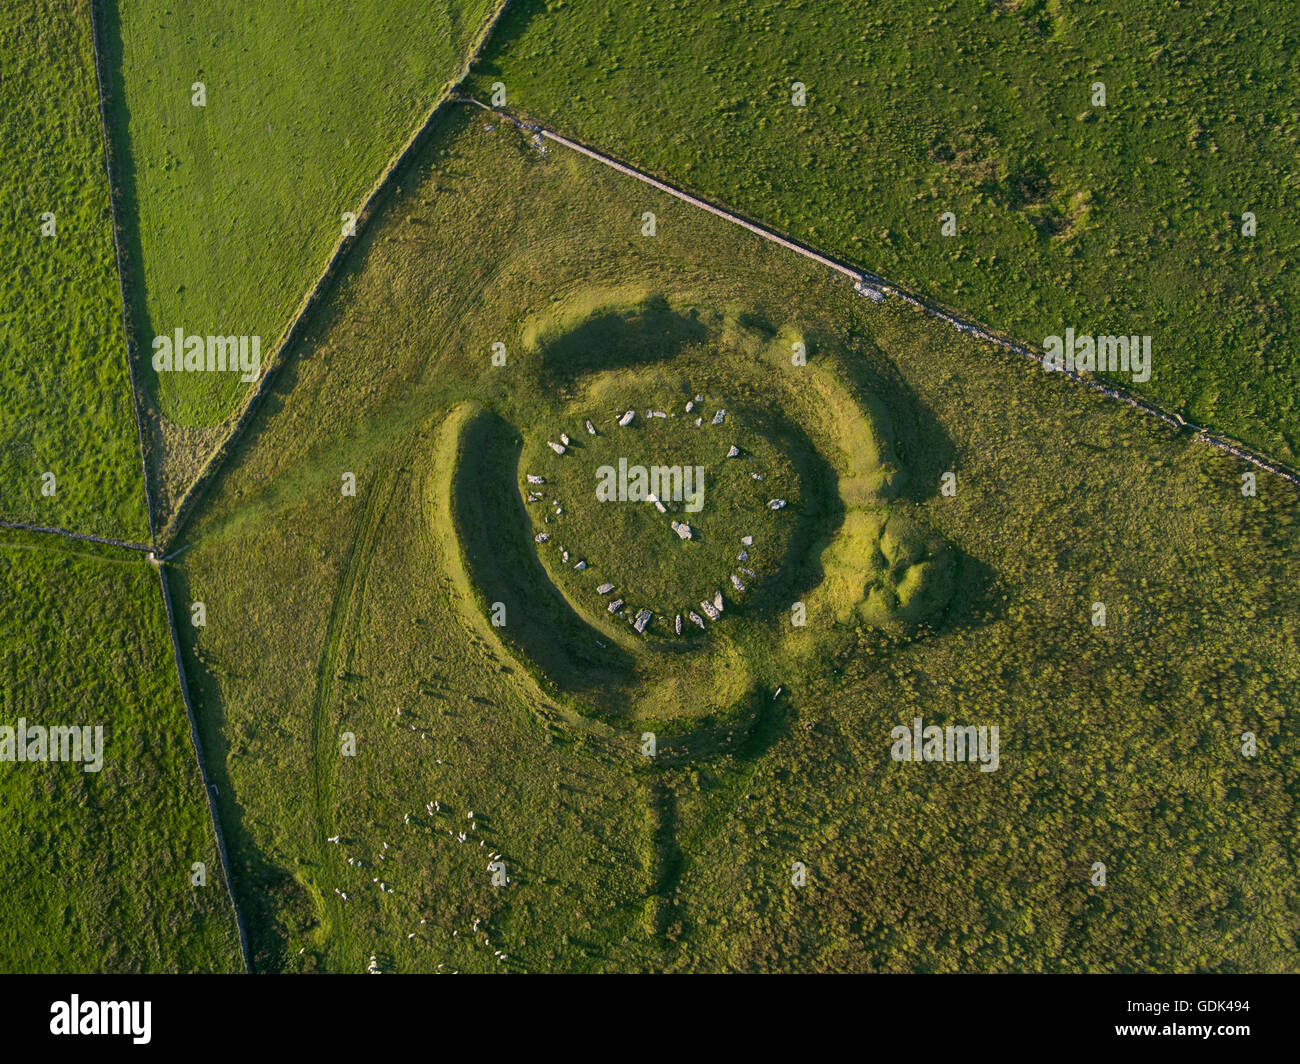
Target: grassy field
<point>65,401</point>
<point>236,205</point>
<point>1125,216</point>
<point>350,683</point>
<point>97,866</point>
<point>628,541</point>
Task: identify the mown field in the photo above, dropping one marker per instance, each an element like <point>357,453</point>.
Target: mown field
<point>351,686</point>
<point>65,401</point>
<point>235,206</point>
<point>97,866</point>
<point>1124,217</point>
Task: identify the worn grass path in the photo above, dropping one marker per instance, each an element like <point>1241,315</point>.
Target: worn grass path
<point>340,637</point>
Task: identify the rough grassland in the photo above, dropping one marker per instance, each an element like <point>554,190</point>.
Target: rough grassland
<point>97,866</point>
<point>65,401</point>
<point>1124,218</point>
<point>331,615</point>
<point>236,205</point>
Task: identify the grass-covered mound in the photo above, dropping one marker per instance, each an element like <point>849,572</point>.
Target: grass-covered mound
<point>859,127</point>
<point>1120,744</point>
<point>632,594</point>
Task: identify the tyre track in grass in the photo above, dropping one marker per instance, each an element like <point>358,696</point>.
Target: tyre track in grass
<point>343,619</point>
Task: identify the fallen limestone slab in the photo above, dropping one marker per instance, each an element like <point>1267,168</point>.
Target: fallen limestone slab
<point>776,504</point>
<point>736,582</point>
<point>616,605</point>
<point>626,419</point>
<point>695,618</point>
<point>558,448</point>
<point>604,589</point>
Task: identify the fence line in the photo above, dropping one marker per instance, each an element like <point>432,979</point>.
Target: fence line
<point>865,281</point>
<point>137,399</point>
<point>202,762</point>
<point>87,537</point>
<point>297,323</point>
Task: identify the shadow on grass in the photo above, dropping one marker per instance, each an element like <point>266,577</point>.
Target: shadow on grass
<point>619,338</point>
<point>494,528</point>
<point>267,894</point>
<point>922,448</point>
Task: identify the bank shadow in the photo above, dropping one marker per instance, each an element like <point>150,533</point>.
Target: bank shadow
<point>552,641</point>
<point>618,338</point>
<point>917,442</point>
